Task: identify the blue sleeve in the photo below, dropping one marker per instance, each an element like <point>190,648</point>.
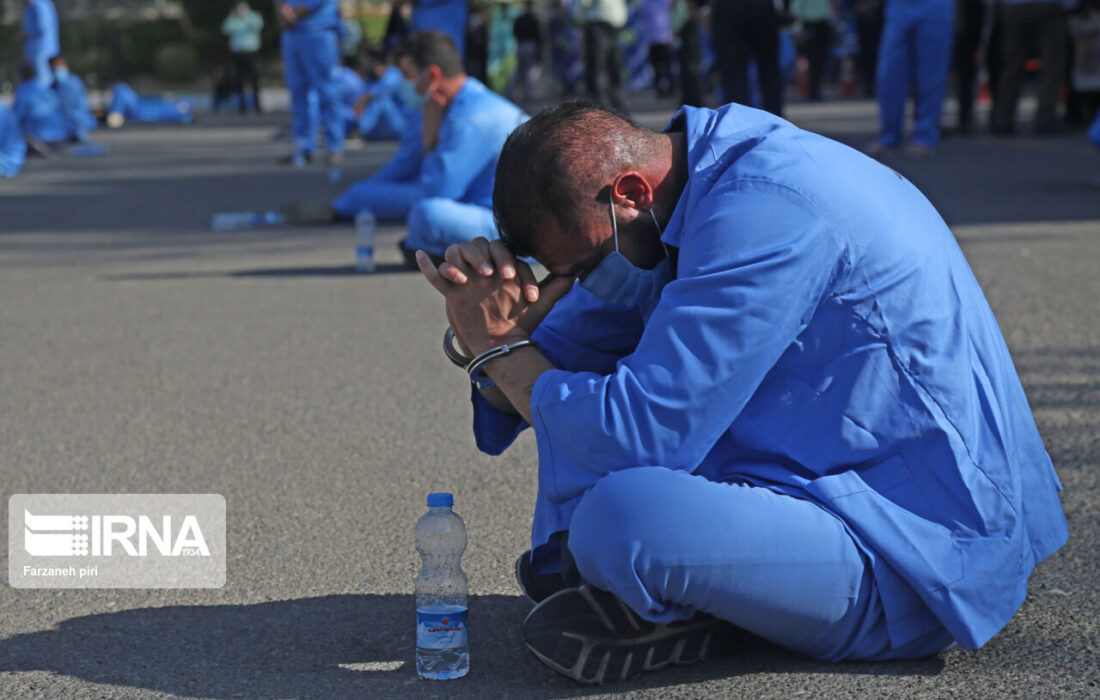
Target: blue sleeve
<point>405,164</point>
<point>756,260</point>
<point>581,333</point>
<point>13,149</point>
<point>457,159</point>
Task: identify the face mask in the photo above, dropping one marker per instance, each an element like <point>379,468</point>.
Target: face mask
<point>61,73</point>
<point>616,280</point>
<point>410,96</point>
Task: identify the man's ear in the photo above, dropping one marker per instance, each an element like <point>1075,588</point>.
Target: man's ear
<point>633,190</point>
<point>435,74</point>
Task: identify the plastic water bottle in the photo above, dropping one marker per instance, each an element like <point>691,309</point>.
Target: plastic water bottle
<point>441,642</point>
<point>364,241</point>
<point>236,220</point>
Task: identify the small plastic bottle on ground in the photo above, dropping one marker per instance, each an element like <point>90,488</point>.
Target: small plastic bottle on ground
<point>236,220</point>
<point>364,241</point>
<point>442,649</point>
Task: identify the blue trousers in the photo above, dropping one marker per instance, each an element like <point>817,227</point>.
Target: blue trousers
<point>435,223</point>
<point>914,55</point>
<point>149,109</point>
<point>388,200</point>
<point>311,63</point>
<point>382,120</point>
<point>669,543</point>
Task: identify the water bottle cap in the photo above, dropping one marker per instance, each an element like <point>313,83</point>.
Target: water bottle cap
<point>440,500</point>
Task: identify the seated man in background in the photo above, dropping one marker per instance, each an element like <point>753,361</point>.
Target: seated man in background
<point>441,178</point>
<point>37,108</point>
<point>78,117</point>
<point>128,105</point>
<point>380,112</point>
<point>13,149</point>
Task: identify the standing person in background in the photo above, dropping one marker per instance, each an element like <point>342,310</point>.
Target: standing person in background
<point>447,16</point>
<point>971,17</point>
<point>814,28</point>
<point>655,28</point>
<point>914,57</point>
<point>477,47</point>
<point>528,33</point>
<point>243,26</point>
<point>40,36</point>
<point>869,30</point>
<point>1028,26</point>
<point>563,47</point>
<point>311,55</point>
<point>691,55</point>
<point>603,55</point>
<point>744,31</point>
<point>397,28</point>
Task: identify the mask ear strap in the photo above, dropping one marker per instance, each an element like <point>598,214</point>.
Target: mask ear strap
<point>614,224</point>
<point>659,232</point>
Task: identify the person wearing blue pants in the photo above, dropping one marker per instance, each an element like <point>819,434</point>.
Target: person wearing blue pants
<point>37,108</point>
<point>447,16</point>
<point>40,36</point>
<point>13,149</point>
<point>380,111</point>
<point>311,62</point>
<point>766,391</point>
<point>914,58</point>
<point>127,105</point>
<point>463,126</point>
<point>79,119</point>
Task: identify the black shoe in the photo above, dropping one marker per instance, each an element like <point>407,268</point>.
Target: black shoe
<point>591,636</point>
<point>537,587</point>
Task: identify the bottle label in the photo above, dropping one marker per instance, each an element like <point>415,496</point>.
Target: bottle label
<point>441,630</point>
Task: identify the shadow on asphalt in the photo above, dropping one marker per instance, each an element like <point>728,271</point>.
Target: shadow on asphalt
<point>342,646</point>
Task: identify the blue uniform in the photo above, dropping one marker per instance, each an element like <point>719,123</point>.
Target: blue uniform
<point>13,149</point>
<point>392,190</point>
<point>451,201</point>
<point>386,114</point>
<point>448,16</point>
<point>816,432</point>
<point>350,86</point>
<point>1094,131</point>
<point>137,108</point>
<point>79,119</point>
<point>38,109</point>
<point>41,32</point>
<point>914,57</point>
<point>311,62</point>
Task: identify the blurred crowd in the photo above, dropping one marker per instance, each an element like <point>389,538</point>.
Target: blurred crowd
<point>691,52</point>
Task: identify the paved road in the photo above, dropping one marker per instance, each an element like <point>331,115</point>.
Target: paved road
<point>144,354</point>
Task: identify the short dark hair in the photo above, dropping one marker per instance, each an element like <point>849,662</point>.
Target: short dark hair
<point>432,48</point>
<point>558,164</point>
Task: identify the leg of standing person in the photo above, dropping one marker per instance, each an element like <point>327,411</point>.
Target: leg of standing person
<point>670,544</point>
<point>968,36</point>
<point>731,52</point>
<point>932,46</point>
<point>765,48</point>
<point>238,81</point>
<point>817,54</point>
<point>302,126</point>
<point>613,66</point>
<point>252,74</point>
<point>893,79</point>
<point>1052,58</point>
<point>1015,50</point>
<point>322,66</point>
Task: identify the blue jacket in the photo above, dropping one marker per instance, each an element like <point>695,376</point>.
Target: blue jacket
<point>40,28</point>
<point>38,109</point>
<point>324,15</point>
<point>463,163</point>
<point>13,149</point>
<point>824,337</point>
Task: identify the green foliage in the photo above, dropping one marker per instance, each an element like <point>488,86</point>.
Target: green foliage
<point>177,63</point>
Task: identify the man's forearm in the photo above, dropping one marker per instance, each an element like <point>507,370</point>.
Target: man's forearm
<point>515,375</point>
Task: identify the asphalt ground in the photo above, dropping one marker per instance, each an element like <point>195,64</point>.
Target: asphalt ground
<point>142,353</point>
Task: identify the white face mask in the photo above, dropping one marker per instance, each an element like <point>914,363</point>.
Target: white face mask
<point>616,280</point>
